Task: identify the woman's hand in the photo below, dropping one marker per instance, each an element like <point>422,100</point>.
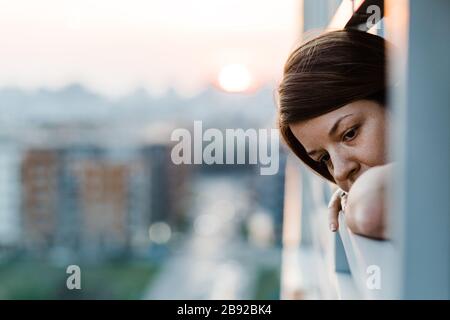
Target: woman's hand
<point>337,203</point>
<point>365,212</point>
<point>364,205</point>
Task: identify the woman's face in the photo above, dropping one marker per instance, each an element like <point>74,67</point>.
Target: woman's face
<point>348,140</point>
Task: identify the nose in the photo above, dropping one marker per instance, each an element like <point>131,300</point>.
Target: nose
<point>345,170</point>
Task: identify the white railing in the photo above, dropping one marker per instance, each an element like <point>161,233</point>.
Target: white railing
<point>322,264</point>
<point>369,262</point>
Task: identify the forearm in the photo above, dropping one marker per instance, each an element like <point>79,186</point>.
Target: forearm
<point>366,212</point>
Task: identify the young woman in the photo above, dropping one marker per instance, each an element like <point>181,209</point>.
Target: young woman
<point>333,115</point>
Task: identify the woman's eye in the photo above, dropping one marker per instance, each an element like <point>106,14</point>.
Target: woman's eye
<point>324,159</point>
<point>350,134</point>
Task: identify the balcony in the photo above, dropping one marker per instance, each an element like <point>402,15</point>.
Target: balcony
<point>414,264</point>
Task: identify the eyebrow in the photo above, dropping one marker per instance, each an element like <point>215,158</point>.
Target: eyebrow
<point>336,124</point>
<point>331,132</point>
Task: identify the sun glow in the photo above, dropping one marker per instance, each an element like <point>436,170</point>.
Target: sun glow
<point>235,78</point>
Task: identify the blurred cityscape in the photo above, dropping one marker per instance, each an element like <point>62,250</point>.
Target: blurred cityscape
<point>88,181</point>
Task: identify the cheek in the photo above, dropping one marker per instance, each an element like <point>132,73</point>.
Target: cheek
<point>372,146</point>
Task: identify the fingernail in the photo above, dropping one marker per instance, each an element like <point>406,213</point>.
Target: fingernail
<point>333,227</point>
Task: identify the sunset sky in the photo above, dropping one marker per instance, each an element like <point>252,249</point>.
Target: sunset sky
<point>114,47</point>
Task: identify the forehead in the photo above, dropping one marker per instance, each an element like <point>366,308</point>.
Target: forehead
<point>310,131</point>
<point>314,131</point>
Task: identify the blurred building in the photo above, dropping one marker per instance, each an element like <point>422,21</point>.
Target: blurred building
<point>139,184</point>
<point>168,191</point>
<point>70,219</point>
<point>9,193</point>
<point>103,204</point>
<point>95,202</point>
<point>269,195</point>
<point>40,198</point>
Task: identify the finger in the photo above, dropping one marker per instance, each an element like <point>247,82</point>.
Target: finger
<point>333,213</point>
<point>344,202</point>
<point>334,207</point>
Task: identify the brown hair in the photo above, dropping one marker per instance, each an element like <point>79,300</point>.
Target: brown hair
<point>326,73</point>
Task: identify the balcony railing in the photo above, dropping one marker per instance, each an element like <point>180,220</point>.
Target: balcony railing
<point>328,265</point>
<point>367,261</point>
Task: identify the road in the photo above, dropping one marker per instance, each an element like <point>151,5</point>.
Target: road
<point>209,264</point>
